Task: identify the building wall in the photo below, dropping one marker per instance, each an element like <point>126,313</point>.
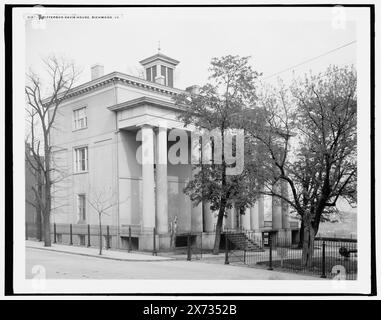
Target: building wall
<point>130,179</point>
<point>100,138</point>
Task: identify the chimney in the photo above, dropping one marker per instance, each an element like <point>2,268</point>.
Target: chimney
<point>160,80</point>
<point>195,89</point>
<point>97,71</point>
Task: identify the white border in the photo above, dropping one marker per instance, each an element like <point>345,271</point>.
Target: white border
<point>362,285</point>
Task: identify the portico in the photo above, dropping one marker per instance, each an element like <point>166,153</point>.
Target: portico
<point>148,121</point>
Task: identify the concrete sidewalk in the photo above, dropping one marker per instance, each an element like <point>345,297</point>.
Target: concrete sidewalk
<point>60,265</point>
<point>94,252</point>
<point>172,266</point>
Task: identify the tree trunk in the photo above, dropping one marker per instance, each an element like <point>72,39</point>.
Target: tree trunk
<point>39,212</point>
<point>220,218</point>
<point>47,195</point>
<point>39,224</point>
<point>47,237</point>
<point>100,235</point>
<point>223,202</point>
<point>308,243</point>
<point>301,235</point>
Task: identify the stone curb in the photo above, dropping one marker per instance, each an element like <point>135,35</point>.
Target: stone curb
<point>99,256</point>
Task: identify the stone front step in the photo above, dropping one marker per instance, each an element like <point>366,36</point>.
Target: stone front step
<point>242,242</point>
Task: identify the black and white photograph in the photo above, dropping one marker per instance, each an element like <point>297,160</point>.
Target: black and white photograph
<point>192,149</point>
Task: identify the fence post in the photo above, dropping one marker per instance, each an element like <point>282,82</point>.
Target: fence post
<point>26,231</point>
<point>201,245</point>
<point>88,235</point>
<point>40,231</point>
<point>129,239</point>
<point>71,234</point>
<point>226,249</point>
<point>54,233</point>
<point>323,275</point>
<point>108,237</point>
<point>154,253</point>
<point>189,254</point>
<point>271,251</point>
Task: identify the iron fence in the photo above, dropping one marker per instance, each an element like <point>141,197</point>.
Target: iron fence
<point>332,258</point>
<point>88,235</point>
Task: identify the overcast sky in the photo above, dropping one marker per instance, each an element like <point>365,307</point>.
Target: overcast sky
<point>275,38</point>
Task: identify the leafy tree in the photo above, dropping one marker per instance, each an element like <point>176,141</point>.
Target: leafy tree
<point>230,89</point>
<point>307,140</point>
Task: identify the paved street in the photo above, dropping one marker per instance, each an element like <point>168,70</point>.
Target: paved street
<point>60,265</point>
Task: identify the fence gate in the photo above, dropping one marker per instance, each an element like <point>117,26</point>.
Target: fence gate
<point>241,246</point>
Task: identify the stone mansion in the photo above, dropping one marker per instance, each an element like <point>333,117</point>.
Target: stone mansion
<point>95,143</point>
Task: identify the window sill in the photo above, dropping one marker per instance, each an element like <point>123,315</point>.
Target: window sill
<point>80,129</point>
<point>82,172</point>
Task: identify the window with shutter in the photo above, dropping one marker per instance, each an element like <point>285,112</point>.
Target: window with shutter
<point>80,118</point>
<point>82,207</point>
<point>154,73</point>
<point>81,159</point>
<point>148,74</point>
<point>170,77</point>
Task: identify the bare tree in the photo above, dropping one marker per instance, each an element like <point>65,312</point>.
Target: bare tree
<point>136,71</point>
<point>41,113</point>
<point>102,200</point>
<point>36,188</point>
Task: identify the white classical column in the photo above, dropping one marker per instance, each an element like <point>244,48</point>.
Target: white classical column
<point>236,219</point>
<point>276,208</point>
<point>261,212</point>
<point>257,216</point>
<point>229,219</point>
<point>161,181</point>
<point>148,178</point>
<point>234,222</point>
<point>196,211</point>
<point>285,208</point>
<point>254,217</point>
<point>196,218</point>
<point>246,224</point>
<point>208,217</point>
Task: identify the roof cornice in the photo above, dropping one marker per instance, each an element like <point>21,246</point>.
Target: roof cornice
<point>159,56</point>
<point>117,78</point>
<point>144,101</point>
